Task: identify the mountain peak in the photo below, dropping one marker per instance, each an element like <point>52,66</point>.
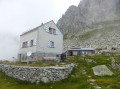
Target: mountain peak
<point>89,12</point>
<point>94,23</point>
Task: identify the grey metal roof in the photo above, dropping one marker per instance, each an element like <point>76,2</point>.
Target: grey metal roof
<point>82,49</point>
<point>31,30</point>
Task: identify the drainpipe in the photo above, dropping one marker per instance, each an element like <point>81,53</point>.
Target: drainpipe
<point>37,45</point>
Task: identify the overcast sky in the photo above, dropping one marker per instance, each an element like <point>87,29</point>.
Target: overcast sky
<point>17,16</point>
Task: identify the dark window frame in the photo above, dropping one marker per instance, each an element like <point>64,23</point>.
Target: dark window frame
<point>25,44</point>
<point>52,44</point>
<point>31,43</point>
<point>54,31</point>
<point>50,30</point>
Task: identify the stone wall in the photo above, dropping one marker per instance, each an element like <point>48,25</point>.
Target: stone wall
<point>38,74</point>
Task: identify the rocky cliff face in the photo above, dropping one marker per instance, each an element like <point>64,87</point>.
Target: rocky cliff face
<point>99,10</point>
<point>70,20</point>
<point>89,12</point>
<point>105,35</point>
<point>93,23</point>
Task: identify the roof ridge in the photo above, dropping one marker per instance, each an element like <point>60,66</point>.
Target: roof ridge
<point>30,30</point>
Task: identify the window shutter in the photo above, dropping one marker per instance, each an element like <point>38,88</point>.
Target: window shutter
<point>54,45</point>
<point>28,43</point>
<point>57,32</point>
<point>48,43</point>
<point>35,42</point>
<point>54,31</point>
<point>21,45</point>
<point>46,28</point>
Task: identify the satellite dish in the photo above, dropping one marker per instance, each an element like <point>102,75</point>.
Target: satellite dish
<point>29,53</point>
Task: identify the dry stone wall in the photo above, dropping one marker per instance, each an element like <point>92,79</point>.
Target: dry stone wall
<point>37,74</point>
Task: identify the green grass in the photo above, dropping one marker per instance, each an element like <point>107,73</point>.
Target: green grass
<point>106,81</point>
<point>65,36</point>
<point>35,64</point>
<point>108,22</point>
<point>102,28</point>
<point>77,80</point>
<point>88,34</point>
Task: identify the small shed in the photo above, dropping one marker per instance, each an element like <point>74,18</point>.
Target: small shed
<point>81,51</point>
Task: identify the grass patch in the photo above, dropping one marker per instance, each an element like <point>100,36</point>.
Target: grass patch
<point>101,28</point>
<point>108,22</point>
<point>77,79</point>
<point>65,36</point>
<point>87,35</point>
<point>36,64</point>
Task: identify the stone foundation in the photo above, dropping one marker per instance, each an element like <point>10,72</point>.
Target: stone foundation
<point>37,74</point>
<point>34,57</point>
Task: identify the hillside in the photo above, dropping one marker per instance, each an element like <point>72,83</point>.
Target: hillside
<point>81,78</point>
<point>93,23</point>
<point>105,35</point>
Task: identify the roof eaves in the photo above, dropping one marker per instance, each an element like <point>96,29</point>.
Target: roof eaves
<point>82,49</point>
<point>24,33</point>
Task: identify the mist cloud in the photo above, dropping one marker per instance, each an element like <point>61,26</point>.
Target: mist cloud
<point>9,46</point>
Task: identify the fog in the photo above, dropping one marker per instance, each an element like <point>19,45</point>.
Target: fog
<point>17,16</point>
<point>9,46</point>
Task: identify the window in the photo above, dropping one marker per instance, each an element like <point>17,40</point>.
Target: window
<point>51,44</point>
<point>50,30</point>
<point>75,53</point>
<point>31,43</point>
<point>46,28</point>
<point>54,31</point>
<point>35,42</point>
<point>24,45</point>
<point>83,52</point>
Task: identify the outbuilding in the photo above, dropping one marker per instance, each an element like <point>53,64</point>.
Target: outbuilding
<point>81,51</point>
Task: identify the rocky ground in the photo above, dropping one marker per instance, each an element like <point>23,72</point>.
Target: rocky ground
<point>93,23</point>
<point>105,35</point>
<point>82,76</point>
